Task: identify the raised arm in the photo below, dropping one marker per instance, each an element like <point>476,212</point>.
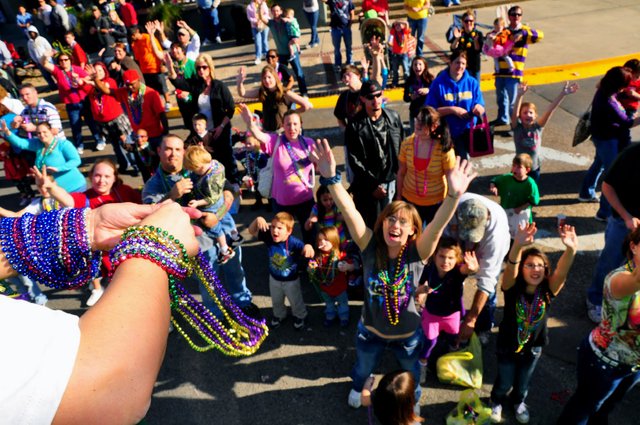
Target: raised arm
<point>247,117</point>
<point>326,164</point>
<point>570,240</point>
<point>522,89</point>
<point>45,184</point>
<point>566,90</point>
<point>303,103</point>
<point>241,77</point>
<point>458,180</point>
<point>524,237</point>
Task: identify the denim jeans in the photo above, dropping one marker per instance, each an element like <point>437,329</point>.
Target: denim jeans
<point>76,113</point>
<point>336,306</point>
<point>338,34</point>
<point>610,257</point>
<point>312,17</point>
<point>25,285</point>
<point>506,91</point>
<point>606,153</point>
<point>209,23</point>
<point>600,388</point>
<point>460,143</point>
<point>297,70</point>
<point>369,350</point>
<point>514,371</point>
<point>396,61</point>
<point>418,30</point>
<point>261,41</point>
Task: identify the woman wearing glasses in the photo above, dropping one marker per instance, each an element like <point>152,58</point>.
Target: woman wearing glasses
<point>469,40</point>
<point>529,284</point>
<point>214,101</point>
<point>394,253</point>
<point>276,99</point>
<point>457,97</point>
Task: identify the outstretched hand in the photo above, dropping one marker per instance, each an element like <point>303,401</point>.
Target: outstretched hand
<point>107,223</point>
<point>459,177</point>
<point>525,234</point>
<point>323,158</point>
<point>568,236</point>
<point>570,88</point>
<point>245,114</point>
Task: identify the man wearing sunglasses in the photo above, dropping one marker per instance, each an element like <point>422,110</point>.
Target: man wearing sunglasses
<point>507,79</point>
<point>372,139</point>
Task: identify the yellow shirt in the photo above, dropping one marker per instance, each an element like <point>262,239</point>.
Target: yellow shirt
<point>417,3</point>
<point>439,165</point>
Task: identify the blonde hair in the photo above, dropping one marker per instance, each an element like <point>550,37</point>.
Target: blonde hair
<point>196,156</point>
<point>524,160</point>
<point>284,218</point>
<point>331,234</point>
<point>209,61</point>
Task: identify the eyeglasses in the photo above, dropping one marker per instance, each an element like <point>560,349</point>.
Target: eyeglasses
<point>373,96</point>
<point>466,21</point>
<point>271,56</point>
<point>515,14</point>
<point>534,266</point>
<point>202,67</point>
<point>392,219</point>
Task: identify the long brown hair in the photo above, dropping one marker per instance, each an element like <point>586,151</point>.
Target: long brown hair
<point>280,90</point>
<point>394,399</point>
<point>382,255</point>
<point>331,234</point>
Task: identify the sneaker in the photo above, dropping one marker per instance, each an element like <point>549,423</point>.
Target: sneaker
<point>275,322</point>
<point>80,149</point>
<point>218,40</point>
<point>236,240</point>
<point>355,399</point>
<point>299,324</point>
<point>594,199</point>
<point>223,257</point>
<point>95,296</point>
<point>600,218</point>
<point>206,42</point>
<point>522,413</point>
<point>594,312</point>
<point>258,61</point>
<point>496,413</point>
<point>40,299</point>
<point>167,107</point>
<point>100,145</point>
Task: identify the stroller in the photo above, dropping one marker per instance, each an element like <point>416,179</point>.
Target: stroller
<point>375,33</point>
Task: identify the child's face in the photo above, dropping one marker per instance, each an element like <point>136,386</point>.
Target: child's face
<point>418,67</point>
<point>200,126</point>
<point>520,172</point>
<point>446,259</point>
<point>201,169</point>
<point>279,231</point>
<point>289,14</point>
<point>22,10</point>
<point>143,138</point>
<point>324,244</point>
<point>326,200</point>
<point>533,270</point>
<point>498,26</point>
<point>528,115</point>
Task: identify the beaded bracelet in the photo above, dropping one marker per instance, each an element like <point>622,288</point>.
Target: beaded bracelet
<point>51,248</point>
<point>233,333</point>
<point>328,181</point>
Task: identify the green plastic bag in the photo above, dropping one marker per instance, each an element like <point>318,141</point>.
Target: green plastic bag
<point>462,367</point>
<point>469,411</point>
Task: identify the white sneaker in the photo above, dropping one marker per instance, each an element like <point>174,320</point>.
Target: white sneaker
<point>355,400</point>
<point>100,145</point>
<point>496,413</point>
<point>95,296</point>
<point>218,40</point>
<point>594,312</point>
<point>80,149</point>
<point>41,300</point>
<point>522,413</point>
<point>258,61</point>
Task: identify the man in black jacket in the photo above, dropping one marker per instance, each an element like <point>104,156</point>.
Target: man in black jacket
<point>373,139</point>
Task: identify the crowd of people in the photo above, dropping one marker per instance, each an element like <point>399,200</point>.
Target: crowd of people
<point>404,236</point>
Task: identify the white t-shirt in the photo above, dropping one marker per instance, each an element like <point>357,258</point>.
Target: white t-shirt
<point>39,348</point>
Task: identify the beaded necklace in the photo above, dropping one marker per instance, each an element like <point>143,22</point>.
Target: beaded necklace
<point>326,277</point>
<point>46,151</point>
<point>135,104</point>
<point>528,316</point>
<point>300,164</point>
<point>391,291</point>
<point>416,142</point>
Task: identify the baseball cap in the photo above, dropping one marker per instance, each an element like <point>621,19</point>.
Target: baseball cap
<point>369,87</point>
<point>94,8</point>
<point>183,31</point>
<point>130,75</point>
<point>472,217</point>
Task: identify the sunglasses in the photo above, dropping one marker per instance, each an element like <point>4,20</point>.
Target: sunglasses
<point>373,96</point>
<point>466,21</point>
<point>515,14</point>
<point>271,56</point>
<point>202,67</point>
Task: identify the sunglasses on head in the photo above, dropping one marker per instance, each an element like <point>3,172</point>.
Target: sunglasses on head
<point>373,96</point>
<point>515,14</point>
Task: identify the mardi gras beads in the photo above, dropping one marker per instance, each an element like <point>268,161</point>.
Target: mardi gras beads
<point>391,291</point>
<point>528,316</point>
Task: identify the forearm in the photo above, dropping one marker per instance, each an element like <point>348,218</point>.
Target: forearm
<point>62,196</point>
<point>352,218</point>
<point>479,300</point>
<point>559,277</point>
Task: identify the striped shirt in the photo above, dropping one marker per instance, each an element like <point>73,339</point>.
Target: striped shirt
<point>43,112</point>
<point>519,53</point>
<point>437,168</point>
